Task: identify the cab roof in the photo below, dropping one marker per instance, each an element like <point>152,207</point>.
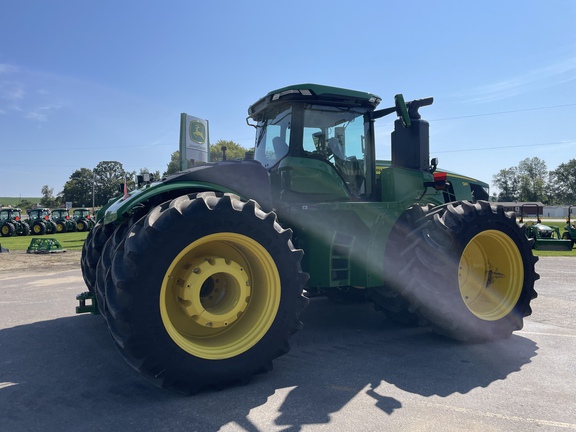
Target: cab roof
<point>318,94</point>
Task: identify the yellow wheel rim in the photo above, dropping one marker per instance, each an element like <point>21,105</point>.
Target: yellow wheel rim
<point>491,275</point>
<point>220,296</point>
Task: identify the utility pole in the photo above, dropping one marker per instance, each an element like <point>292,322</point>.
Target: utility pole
<point>93,189</point>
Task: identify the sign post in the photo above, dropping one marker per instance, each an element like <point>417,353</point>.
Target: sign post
<point>194,141</point>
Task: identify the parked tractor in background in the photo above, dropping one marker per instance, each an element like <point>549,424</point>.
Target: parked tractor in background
<point>64,223</point>
<point>84,219</point>
<point>200,276</point>
<point>11,223</point>
<point>40,221</point>
<point>570,229</point>
<point>545,237</point>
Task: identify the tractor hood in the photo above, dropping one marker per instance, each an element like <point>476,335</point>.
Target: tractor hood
<point>542,228</point>
<point>246,178</point>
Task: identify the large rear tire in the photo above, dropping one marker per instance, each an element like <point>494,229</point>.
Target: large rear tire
<point>25,229</point>
<point>51,227</point>
<point>105,261</point>
<point>204,291</point>
<point>91,252</point>
<point>7,230</point>
<point>467,269</point>
<point>566,236</point>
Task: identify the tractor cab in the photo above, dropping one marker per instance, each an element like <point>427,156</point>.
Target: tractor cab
<point>313,134</point>
<point>317,142</point>
<point>10,214</point>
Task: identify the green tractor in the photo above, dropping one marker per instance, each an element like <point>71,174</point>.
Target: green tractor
<point>40,221</point>
<point>570,229</point>
<point>545,237</point>
<point>201,276</point>
<point>84,219</point>
<point>64,223</point>
<point>11,223</point>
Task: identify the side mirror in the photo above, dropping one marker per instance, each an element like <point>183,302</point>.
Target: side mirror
<point>402,110</point>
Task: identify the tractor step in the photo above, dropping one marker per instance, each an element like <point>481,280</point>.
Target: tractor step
<point>82,307</point>
<point>44,245</point>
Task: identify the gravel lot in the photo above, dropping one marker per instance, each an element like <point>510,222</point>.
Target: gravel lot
<point>20,260</point>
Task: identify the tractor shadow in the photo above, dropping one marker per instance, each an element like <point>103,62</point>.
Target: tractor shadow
<point>65,374</point>
<point>354,351</point>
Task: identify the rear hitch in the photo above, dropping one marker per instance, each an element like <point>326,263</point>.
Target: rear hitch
<point>92,307</point>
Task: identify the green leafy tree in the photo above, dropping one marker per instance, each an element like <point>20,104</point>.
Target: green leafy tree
<point>108,179</point>
<point>233,150</point>
<point>25,204</point>
<point>526,182</point>
<point>563,183</point>
<point>507,182</point>
<point>48,199</point>
<point>78,190</point>
<point>533,177</point>
<point>174,164</point>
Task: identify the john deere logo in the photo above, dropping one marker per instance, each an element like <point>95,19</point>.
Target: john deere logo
<point>197,132</point>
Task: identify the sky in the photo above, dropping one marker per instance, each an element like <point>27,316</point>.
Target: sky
<point>85,82</point>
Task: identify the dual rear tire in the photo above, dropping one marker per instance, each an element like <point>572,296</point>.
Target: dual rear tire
<point>467,269</point>
<point>202,292</point>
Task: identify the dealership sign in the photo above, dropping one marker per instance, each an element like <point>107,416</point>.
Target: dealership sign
<point>194,141</point>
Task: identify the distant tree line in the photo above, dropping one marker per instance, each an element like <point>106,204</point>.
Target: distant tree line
<point>87,187</point>
<point>531,181</point>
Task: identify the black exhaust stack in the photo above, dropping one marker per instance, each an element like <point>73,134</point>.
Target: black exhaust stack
<point>411,145</point>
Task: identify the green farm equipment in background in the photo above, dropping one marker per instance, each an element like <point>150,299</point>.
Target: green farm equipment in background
<point>570,229</point>
<point>545,237</point>
<point>200,276</point>
<point>84,219</point>
<point>11,223</point>
<point>40,221</point>
<point>64,223</point>
<point>44,245</point>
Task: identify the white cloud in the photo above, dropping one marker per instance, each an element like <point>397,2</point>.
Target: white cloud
<point>41,114</point>
<point>12,90</point>
<point>19,95</point>
<point>7,68</point>
<point>544,77</point>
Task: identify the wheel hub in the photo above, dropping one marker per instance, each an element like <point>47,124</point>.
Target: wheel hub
<point>490,275</point>
<point>213,291</point>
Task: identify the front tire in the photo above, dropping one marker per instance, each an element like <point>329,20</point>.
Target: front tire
<point>39,228</point>
<point>82,225</point>
<point>204,291</point>
<point>467,269</point>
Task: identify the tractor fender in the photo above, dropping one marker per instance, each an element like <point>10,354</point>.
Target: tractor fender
<point>247,179</point>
